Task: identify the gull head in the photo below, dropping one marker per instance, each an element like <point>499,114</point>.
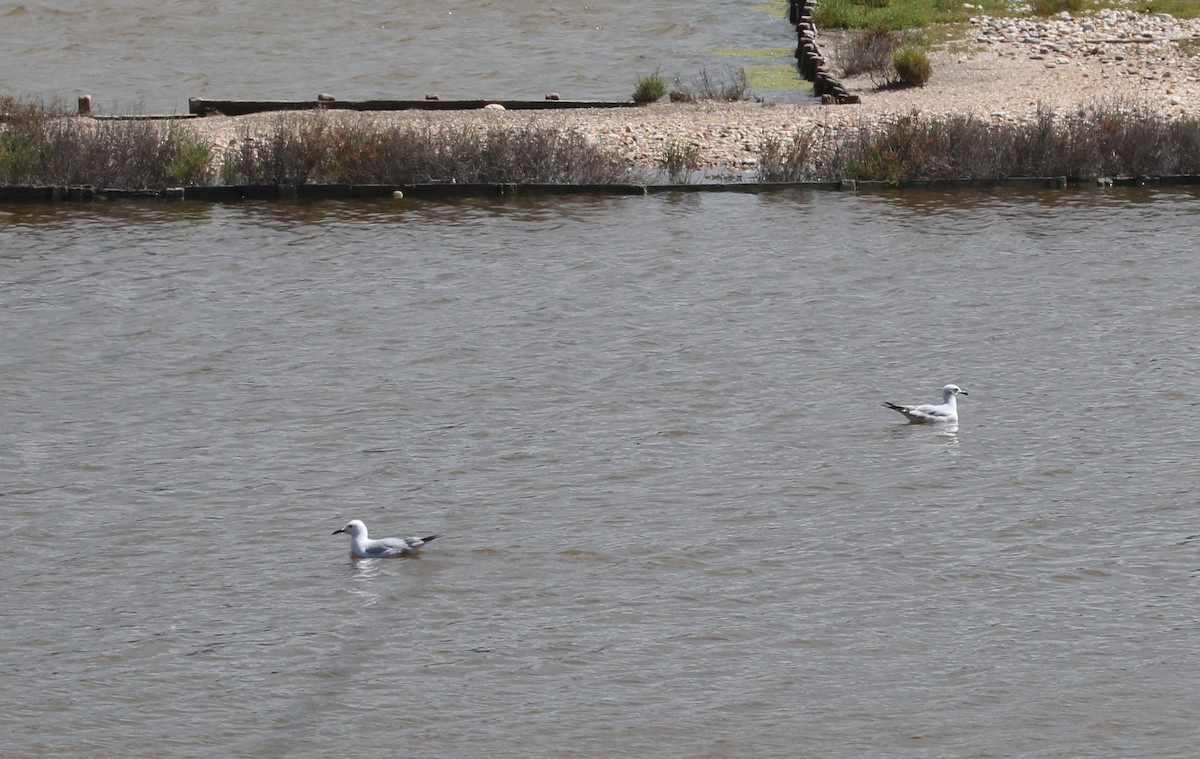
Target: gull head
<point>353,528</point>
<point>950,390</point>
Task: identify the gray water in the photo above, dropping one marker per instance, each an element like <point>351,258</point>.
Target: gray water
<point>133,56</point>
<point>675,520</point>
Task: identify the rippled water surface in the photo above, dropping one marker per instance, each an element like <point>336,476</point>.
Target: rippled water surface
<point>676,521</point>
<point>134,56</point>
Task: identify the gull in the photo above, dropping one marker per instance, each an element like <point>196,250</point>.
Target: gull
<point>930,413</point>
<point>364,548</point>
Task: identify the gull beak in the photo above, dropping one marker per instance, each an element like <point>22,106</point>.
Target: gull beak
<point>335,532</point>
<point>963,392</point>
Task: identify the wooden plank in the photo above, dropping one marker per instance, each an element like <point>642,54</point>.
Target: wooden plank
<point>204,107</point>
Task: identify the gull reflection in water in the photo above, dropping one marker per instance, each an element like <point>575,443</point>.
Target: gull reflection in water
<point>943,434</point>
<point>362,572</point>
<point>949,432</point>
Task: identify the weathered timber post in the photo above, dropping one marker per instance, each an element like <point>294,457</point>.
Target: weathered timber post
<point>809,58</point>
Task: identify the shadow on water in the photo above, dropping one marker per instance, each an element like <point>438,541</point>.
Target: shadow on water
<point>49,216</point>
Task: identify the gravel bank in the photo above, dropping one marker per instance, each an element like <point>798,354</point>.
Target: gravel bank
<point>1007,69</point>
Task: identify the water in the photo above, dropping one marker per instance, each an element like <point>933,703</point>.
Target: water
<point>133,56</point>
<point>677,521</point>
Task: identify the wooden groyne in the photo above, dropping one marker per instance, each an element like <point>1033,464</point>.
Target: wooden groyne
<point>811,60</point>
<point>449,192</point>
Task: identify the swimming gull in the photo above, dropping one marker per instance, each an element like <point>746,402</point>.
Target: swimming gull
<point>930,413</point>
<point>365,548</point>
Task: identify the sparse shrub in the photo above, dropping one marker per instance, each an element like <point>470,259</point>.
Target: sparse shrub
<point>650,89</point>
<point>680,160</point>
<point>793,161</point>
<point>346,152</point>
<point>727,87</point>
<point>40,146</point>
<point>912,66</point>
<point>290,155</point>
<point>1110,139</point>
<point>870,52</point>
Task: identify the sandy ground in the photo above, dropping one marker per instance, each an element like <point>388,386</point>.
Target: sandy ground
<point>993,81</point>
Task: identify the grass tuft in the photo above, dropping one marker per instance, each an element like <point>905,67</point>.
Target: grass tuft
<point>680,160</point>
<point>650,89</point>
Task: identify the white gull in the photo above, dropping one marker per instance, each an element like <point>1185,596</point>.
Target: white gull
<point>930,413</point>
<point>365,548</point>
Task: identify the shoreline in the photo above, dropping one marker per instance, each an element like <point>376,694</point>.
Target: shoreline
<point>1008,71</point>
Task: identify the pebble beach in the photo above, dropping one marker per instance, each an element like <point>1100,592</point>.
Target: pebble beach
<point>1004,69</point>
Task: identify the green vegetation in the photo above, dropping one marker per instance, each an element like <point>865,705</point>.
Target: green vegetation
<point>922,14</point>
<point>912,66</point>
<point>737,52</point>
<point>1107,140</point>
<point>1177,8</point>
<point>781,78</point>
<point>1053,7</point>
<point>45,147</point>
<point>189,159</point>
<point>650,89</point>
<point>901,14</point>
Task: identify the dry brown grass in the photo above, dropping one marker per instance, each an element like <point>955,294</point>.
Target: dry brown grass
<point>44,146</point>
<point>1106,140</point>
